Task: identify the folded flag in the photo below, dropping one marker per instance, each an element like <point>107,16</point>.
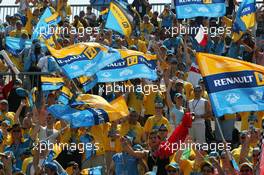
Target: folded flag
<point>87,110</point>
<point>207,8</point>
<point>84,58</point>
<point>201,37</point>
<point>133,64</point>
<point>194,74</point>
<point>120,18</point>
<point>65,95</point>
<point>51,83</point>
<point>92,171</point>
<point>233,85</point>
<point>46,22</point>
<point>87,83</point>
<point>245,18</point>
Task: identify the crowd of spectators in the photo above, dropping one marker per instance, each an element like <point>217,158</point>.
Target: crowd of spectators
<point>128,146</point>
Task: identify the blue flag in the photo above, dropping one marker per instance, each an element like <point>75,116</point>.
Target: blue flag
<point>46,22</point>
<point>206,8</point>
<point>84,59</point>
<point>132,65</point>
<point>15,46</point>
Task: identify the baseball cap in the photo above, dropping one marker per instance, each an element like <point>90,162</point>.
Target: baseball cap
<point>4,102</point>
<point>173,165</point>
<point>178,95</point>
<point>197,87</point>
<point>246,164</point>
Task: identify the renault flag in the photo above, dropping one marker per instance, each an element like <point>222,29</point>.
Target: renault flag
<point>195,8</point>
<point>89,110</point>
<point>233,85</point>
<point>245,18</point>
<point>133,65</point>
<point>84,58</point>
<point>51,83</point>
<point>46,21</point>
<point>119,18</point>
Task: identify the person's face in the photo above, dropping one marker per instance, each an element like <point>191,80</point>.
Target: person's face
<point>76,169</point>
<point>146,19</point>
<point>50,120</point>
<point>197,93</point>
<point>26,123</point>
<point>3,107</point>
<point>18,26</point>
<point>179,87</point>
<point>172,171</point>
<point>16,134</point>
<point>158,111</point>
<point>179,101</point>
<point>133,117</point>
<point>207,171</point>
<point>245,170</point>
<point>154,140</point>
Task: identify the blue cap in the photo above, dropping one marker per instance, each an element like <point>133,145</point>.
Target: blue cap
<point>21,92</point>
<point>173,165</point>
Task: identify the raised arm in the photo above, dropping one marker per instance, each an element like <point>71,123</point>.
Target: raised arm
<point>168,97</point>
<point>18,112</point>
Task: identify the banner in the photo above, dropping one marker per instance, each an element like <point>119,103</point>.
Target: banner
<point>46,22</point>
<point>195,8</point>
<point>65,95</point>
<point>132,65</point>
<point>119,18</point>
<point>88,110</point>
<point>51,83</point>
<point>245,18</point>
<point>84,58</point>
<point>233,85</point>
<point>15,46</point>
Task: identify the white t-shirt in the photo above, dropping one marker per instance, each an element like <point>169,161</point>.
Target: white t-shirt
<point>43,64</point>
<point>44,133</point>
<point>198,107</point>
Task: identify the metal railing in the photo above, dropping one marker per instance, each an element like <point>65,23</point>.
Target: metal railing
<point>75,8</point>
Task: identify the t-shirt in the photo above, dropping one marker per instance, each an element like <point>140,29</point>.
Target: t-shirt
<point>7,116</point>
<point>125,164</point>
<point>245,116</point>
<point>236,51</point>
<point>178,113</point>
<point>155,122</point>
<point>149,101</point>
<point>132,130</point>
<point>44,133</point>
<point>198,107</point>
<point>112,144</point>
<point>135,100</point>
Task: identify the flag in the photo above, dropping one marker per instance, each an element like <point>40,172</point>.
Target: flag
<point>88,110</point>
<point>233,85</point>
<point>119,18</point>
<point>46,22</point>
<point>87,83</point>
<point>186,154</point>
<point>92,171</point>
<point>207,8</point>
<point>201,37</point>
<point>65,95</point>
<point>51,83</point>
<point>245,18</point>
<point>133,64</point>
<point>194,74</point>
<point>84,58</point>
<point>15,46</point>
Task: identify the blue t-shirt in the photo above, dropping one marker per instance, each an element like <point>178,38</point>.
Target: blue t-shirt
<point>125,164</point>
<point>167,20</point>
<point>236,51</point>
<point>219,48</point>
<point>178,113</point>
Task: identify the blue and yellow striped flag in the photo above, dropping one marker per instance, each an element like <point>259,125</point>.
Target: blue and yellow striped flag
<point>233,85</point>
<point>89,110</point>
<point>245,18</point>
<point>120,18</point>
<point>51,83</point>
<point>65,95</point>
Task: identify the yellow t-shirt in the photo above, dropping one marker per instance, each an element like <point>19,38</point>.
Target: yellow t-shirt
<point>136,130</point>
<point>187,166</point>
<point>155,122</point>
<point>8,116</point>
<point>115,145</point>
<point>141,45</point>
<point>135,100</point>
<point>65,135</point>
<point>150,100</point>
<point>244,120</point>
<point>25,163</point>
<point>236,153</point>
<point>188,89</point>
<point>146,28</point>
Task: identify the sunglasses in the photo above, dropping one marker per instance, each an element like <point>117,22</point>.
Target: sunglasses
<point>172,171</point>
